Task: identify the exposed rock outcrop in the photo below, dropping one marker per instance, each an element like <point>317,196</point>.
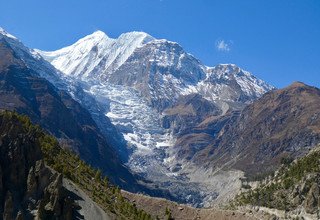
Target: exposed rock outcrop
<point>28,189</point>
<point>187,113</point>
<point>312,200</point>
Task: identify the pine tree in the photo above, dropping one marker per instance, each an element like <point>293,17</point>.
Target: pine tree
<point>98,175</point>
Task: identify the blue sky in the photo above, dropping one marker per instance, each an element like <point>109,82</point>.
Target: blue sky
<point>277,41</point>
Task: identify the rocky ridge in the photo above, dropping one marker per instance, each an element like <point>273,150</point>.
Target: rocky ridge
<point>281,123</point>
<point>28,189</point>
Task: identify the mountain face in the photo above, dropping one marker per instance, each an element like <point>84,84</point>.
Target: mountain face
<point>154,92</point>
<point>188,131</point>
<point>95,54</point>
<point>159,70</point>
<point>24,90</point>
<point>282,123</point>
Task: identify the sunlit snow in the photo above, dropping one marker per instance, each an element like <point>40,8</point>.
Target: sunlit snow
<point>166,72</point>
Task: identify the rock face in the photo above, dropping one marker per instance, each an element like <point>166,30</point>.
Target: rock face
<point>312,200</point>
<point>28,189</point>
<point>305,194</point>
<point>201,136</point>
<point>282,123</point>
<point>188,112</point>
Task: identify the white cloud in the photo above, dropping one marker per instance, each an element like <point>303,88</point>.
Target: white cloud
<point>223,45</point>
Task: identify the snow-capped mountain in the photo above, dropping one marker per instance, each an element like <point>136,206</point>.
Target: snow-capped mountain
<point>96,54</point>
<point>31,58</point>
<point>159,69</point>
<point>149,89</point>
<point>46,101</point>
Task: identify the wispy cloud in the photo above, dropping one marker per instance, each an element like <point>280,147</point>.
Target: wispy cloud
<point>223,45</point>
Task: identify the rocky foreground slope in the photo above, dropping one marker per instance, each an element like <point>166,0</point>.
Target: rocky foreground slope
<point>28,189</point>
<point>293,191</point>
<point>164,208</point>
<point>40,180</point>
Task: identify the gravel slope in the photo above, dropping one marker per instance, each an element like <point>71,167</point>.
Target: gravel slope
<point>89,209</point>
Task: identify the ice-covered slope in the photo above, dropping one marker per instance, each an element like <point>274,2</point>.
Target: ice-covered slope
<point>230,73</point>
<point>32,59</point>
<point>96,54</point>
<point>5,33</point>
<point>159,69</point>
<point>134,79</point>
<point>230,87</point>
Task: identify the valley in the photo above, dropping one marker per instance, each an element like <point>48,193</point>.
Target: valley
<point>168,130</point>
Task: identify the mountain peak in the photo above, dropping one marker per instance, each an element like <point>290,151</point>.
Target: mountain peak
<point>99,33</point>
<point>98,56</point>
<point>82,58</point>
<point>297,87</point>
<point>227,68</point>
<point>136,34</point>
<point>135,38</point>
<point>96,38</point>
<point>297,84</point>
<point>5,33</point>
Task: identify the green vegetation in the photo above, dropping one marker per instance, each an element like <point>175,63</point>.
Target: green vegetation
<point>259,177</point>
<point>286,160</point>
<point>90,180</point>
<point>277,193</point>
<point>168,215</point>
